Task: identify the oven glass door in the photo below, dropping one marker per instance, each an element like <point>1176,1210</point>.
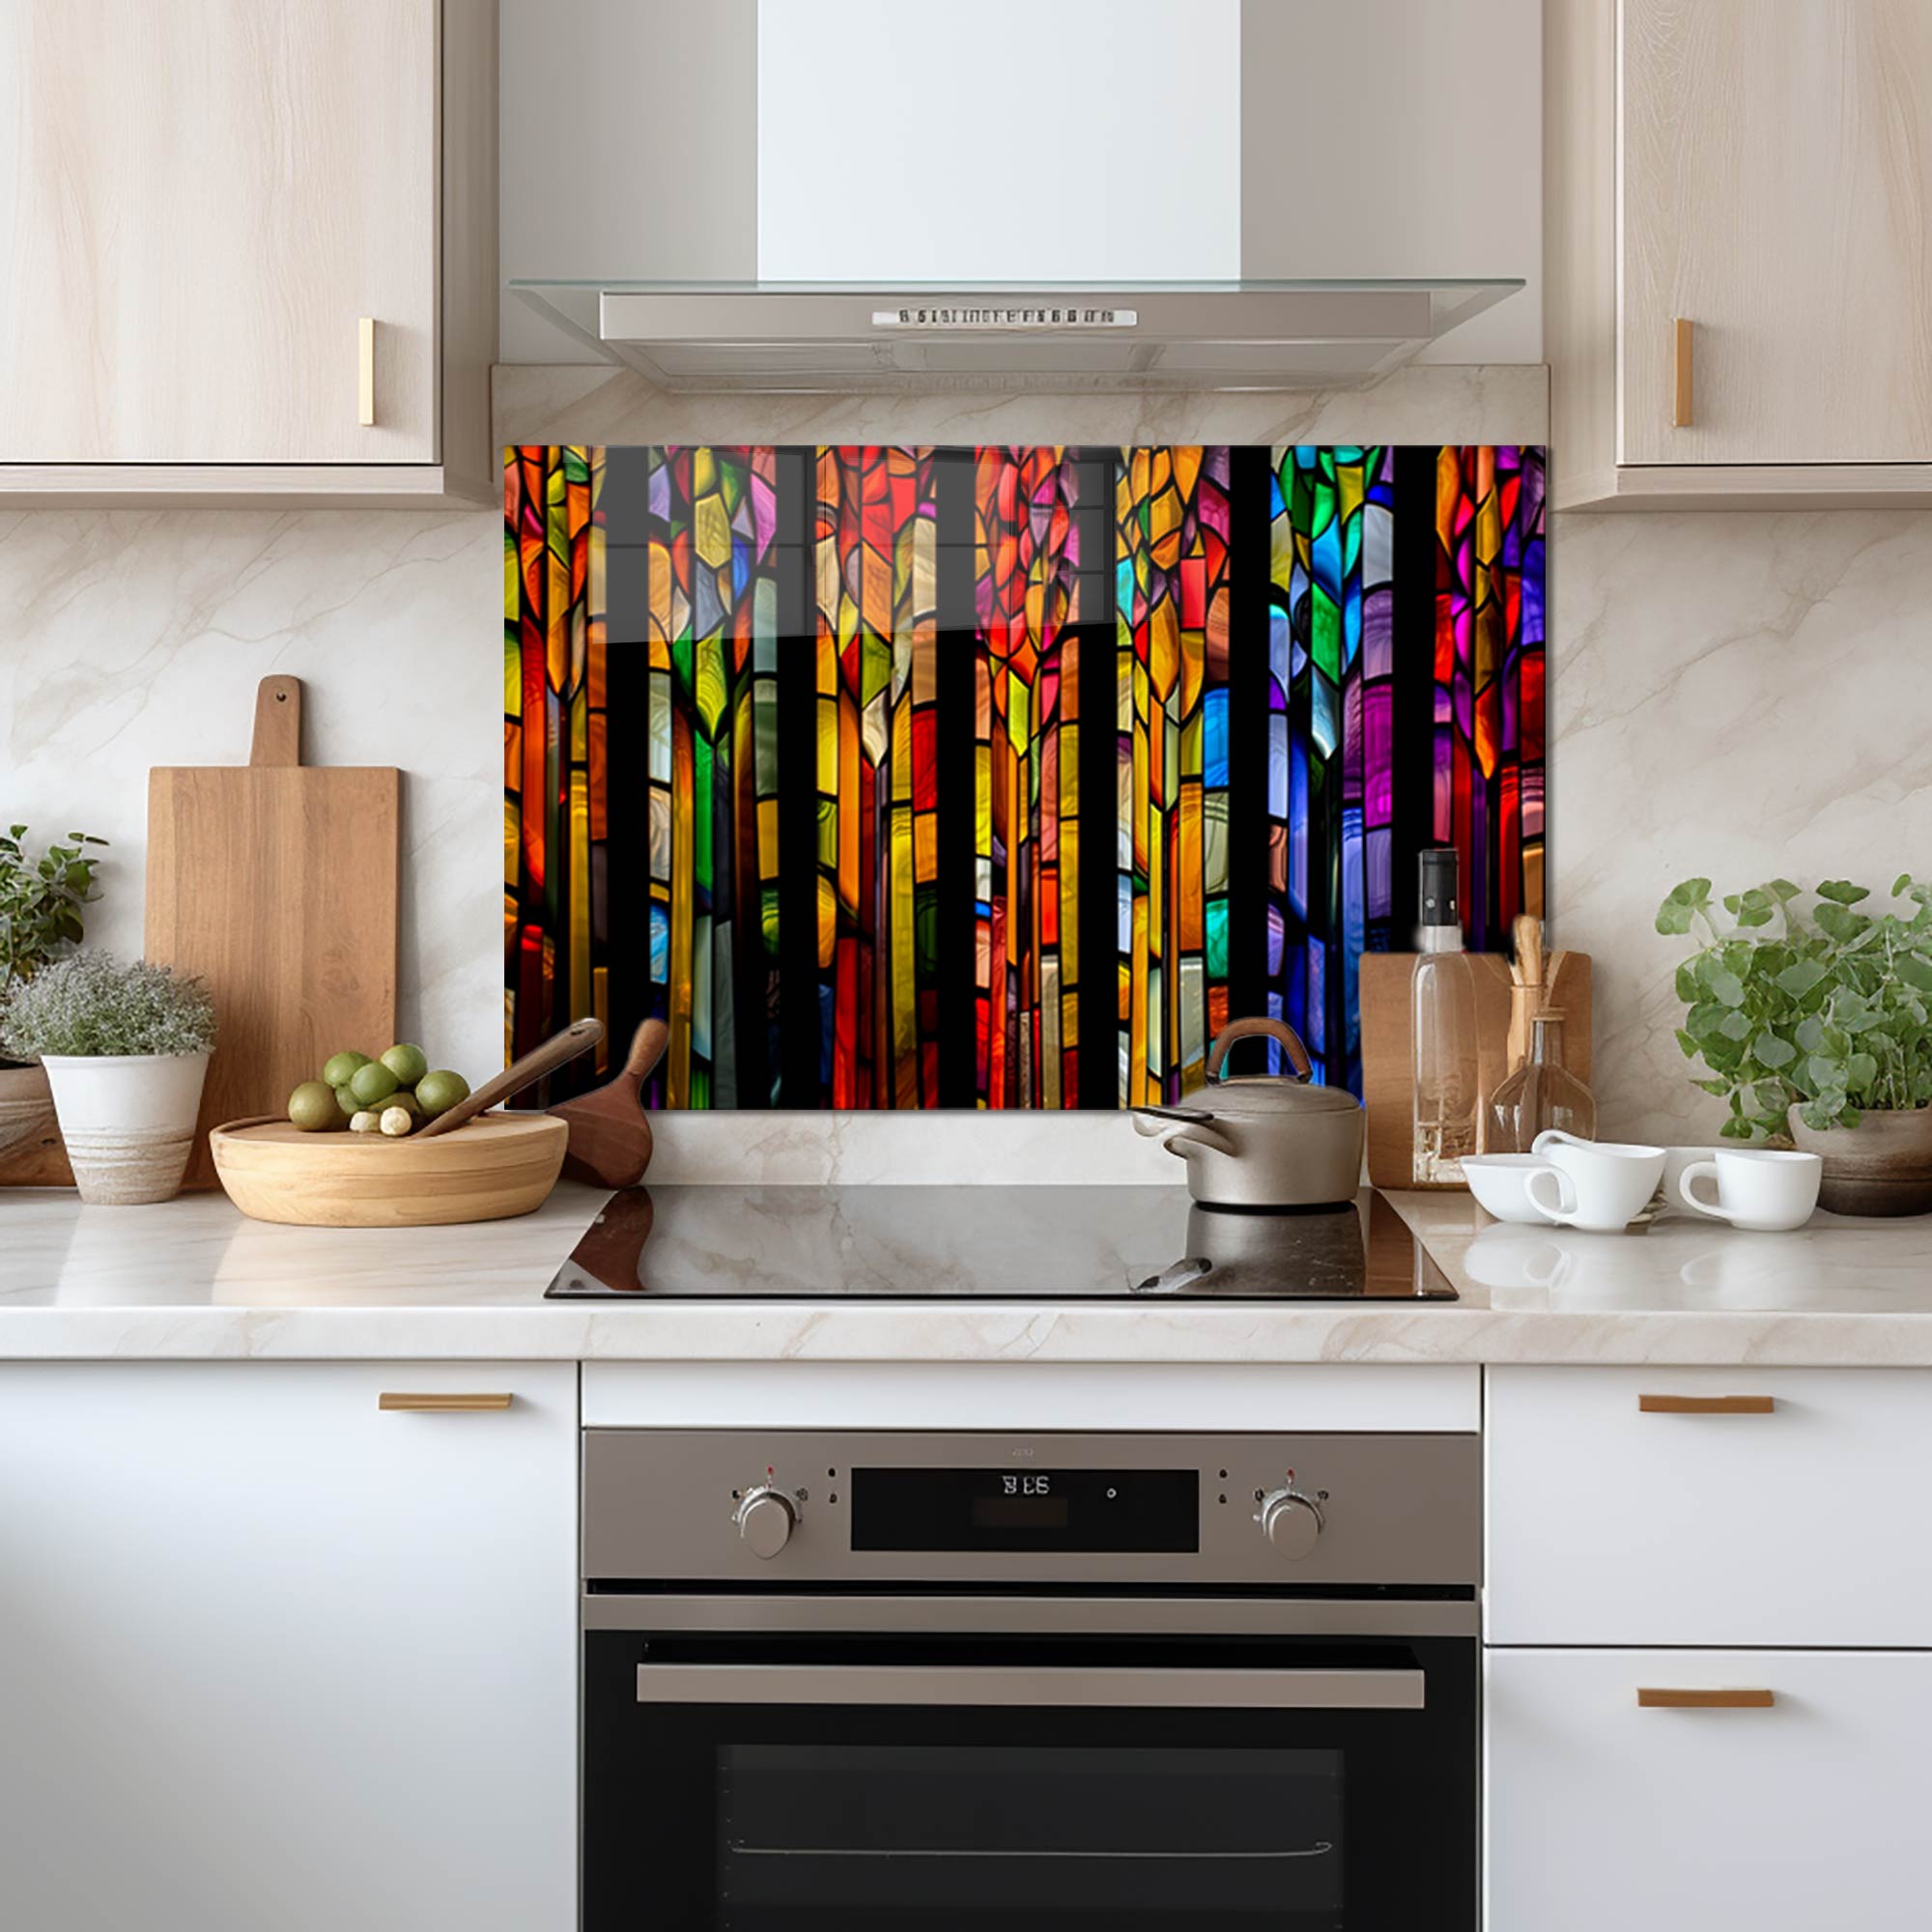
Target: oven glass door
<point>784,1784</point>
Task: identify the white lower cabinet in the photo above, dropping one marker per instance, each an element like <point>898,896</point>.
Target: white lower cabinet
<point>272,1656</point>
<point>1605,1816</point>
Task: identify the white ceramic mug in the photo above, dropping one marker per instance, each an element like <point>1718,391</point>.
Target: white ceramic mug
<point>1766,1188</point>
<point>1602,1186</point>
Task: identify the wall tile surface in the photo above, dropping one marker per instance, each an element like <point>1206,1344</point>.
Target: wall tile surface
<point>1731,694</point>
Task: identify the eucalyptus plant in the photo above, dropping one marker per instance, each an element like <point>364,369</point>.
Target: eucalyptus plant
<point>41,901</point>
<point>1831,1012</point>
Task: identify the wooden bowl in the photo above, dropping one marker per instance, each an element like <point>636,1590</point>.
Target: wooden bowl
<point>492,1167</point>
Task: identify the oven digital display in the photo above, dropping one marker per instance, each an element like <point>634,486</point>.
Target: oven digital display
<point>1131,1512</point>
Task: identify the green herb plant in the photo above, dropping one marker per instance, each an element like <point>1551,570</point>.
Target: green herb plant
<point>91,1005</point>
<point>41,901</point>
<point>1831,1012</point>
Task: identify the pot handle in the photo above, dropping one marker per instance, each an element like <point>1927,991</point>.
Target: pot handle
<point>1278,1030</point>
<point>1184,1128</point>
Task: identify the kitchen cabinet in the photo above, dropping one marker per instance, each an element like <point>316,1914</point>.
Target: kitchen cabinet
<point>1737,195</point>
<point>272,1655</point>
<point>1604,1814</point>
<point>1708,1506</point>
<point>249,252</point>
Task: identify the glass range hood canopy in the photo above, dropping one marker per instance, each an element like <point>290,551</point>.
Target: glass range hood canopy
<point>841,338</point>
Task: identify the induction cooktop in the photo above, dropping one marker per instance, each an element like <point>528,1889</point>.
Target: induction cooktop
<point>909,1243</point>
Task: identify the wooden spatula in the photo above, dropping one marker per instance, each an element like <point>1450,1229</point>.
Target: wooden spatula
<point>557,1049</point>
<point>610,1131</point>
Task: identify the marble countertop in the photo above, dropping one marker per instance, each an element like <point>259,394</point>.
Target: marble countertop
<point>195,1280</point>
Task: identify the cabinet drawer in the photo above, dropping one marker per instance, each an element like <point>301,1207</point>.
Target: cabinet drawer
<point>1603,1815</point>
<point>1796,1523</point>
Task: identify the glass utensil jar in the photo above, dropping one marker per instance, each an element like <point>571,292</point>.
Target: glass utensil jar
<point>1542,1093</point>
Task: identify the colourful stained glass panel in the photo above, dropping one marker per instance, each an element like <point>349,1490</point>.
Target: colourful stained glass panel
<point>1002,776</point>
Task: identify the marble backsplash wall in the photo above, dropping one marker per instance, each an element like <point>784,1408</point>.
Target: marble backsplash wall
<point>1732,694</point>
<point>136,639</point>
<point>1737,694</point>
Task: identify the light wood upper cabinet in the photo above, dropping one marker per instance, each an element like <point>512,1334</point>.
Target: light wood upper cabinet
<point>202,204</point>
<point>1760,170</point>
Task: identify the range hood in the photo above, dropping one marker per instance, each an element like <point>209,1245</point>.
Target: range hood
<point>845,338</point>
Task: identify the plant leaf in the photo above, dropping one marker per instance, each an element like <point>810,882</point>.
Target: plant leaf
<point>1842,924</point>
<point>1769,1050</point>
<point>1726,988</point>
<point>1800,977</point>
<point>1842,891</point>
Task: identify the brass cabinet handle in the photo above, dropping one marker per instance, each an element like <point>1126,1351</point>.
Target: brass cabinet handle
<point>435,1404</point>
<point>366,371</point>
<point>1706,1405</point>
<point>1681,392</point>
<point>1652,1699</point>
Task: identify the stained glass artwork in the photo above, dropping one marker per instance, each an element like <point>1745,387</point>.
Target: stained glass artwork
<point>997,776</point>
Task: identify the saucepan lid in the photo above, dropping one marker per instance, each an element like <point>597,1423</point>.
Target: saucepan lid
<point>1249,1095</point>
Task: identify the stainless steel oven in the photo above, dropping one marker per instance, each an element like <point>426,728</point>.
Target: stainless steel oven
<point>867,1681</point>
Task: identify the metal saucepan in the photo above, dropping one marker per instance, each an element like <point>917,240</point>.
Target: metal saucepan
<point>1267,1139</point>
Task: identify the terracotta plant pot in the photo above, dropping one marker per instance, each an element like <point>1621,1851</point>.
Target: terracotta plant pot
<point>26,1105</point>
<point>1882,1166</point>
<point>128,1122</point>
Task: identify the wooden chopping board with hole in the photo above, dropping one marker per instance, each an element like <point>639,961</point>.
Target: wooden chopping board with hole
<point>276,882</point>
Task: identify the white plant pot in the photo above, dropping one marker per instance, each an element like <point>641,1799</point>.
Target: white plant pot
<point>128,1120</point>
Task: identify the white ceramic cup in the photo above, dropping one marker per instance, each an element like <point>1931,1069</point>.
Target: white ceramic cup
<point>1602,1186</point>
<point>1766,1188</point>
<point>1675,1160</point>
<point>1497,1180</point>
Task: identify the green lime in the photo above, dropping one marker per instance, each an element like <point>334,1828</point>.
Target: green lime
<point>403,1098</point>
<point>345,1098</point>
<point>438,1091</point>
<point>341,1067</point>
<point>312,1107</point>
<point>408,1064</point>
<point>372,1082</point>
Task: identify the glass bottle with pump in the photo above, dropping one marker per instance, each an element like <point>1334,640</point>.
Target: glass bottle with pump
<point>1448,1080</point>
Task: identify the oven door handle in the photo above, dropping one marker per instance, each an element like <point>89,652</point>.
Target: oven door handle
<point>1048,1685</point>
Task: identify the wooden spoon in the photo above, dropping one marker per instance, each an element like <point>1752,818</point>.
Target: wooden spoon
<point>553,1053</point>
<point>610,1131</point>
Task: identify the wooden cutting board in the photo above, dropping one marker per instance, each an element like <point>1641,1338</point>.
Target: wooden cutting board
<point>1388,1043</point>
<point>275,882</point>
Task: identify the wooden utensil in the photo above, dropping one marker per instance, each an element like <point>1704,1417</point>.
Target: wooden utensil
<point>560,1047</point>
<point>1527,994</point>
<point>504,1164</point>
<point>610,1131</point>
<point>275,882</point>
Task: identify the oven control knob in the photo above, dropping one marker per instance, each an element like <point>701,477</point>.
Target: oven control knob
<point>1290,1522</point>
<point>765,1519</point>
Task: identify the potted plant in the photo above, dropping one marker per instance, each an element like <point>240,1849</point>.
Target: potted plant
<point>126,1049</point>
<point>1817,1029</point>
<point>41,901</point>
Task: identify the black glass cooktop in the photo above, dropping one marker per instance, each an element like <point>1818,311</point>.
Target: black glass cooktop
<point>988,1243</point>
